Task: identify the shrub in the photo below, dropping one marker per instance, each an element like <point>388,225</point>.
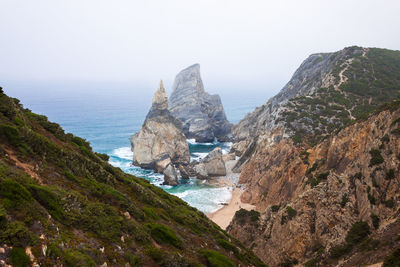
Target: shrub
<point>389,203</point>
<point>47,198</point>
<point>19,258</point>
<point>215,259</point>
<point>375,221</point>
<point>254,215</point>
<point>104,157</point>
<point>3,217</point>
<point>165,235</point>
<point>339,250</point>
<point>16,234</point>
<point>275,208</point>
<point>76,258</point>
<point>371,199</point>
<point>323,176</point>
<point>390,174</point>
<point>376,157</point>
<point>344,201</point>
<point>14,191</point>
<point>155,254</point>
<point>133,260</point>
<point>393,259</point>
<point>53,251</point>
<point>70,176</point>
<point>291,212</point>
<point>358,232</point>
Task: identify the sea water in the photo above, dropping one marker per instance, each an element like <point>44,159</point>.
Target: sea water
<point>108,114</point>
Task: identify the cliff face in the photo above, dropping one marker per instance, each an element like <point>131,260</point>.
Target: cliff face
<point>326,92</point>
<point>161,141</point>
<point>312,181</point>
<point>310,199</point>
<point>202,114</point>
<point>62,204</point>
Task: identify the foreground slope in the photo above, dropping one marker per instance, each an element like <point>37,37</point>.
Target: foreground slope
<point>63,204</point>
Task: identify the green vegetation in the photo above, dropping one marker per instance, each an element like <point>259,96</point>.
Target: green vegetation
<point>76,258</point>
<point>376,157</point>
<point>357,233</point>
<point>375,220</point>
<point>290,214</point>
<point>243,215</point>
<point>72,196</point>
<point>390,174</point>
<point>372,80</point>
<point>165,235</point>
<point>275,208</point>
<point>393,259</point>
<point>19,258</point>
<point>216,259</point>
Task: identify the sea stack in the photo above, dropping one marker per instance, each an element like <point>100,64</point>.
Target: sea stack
<point>161,144</point>
<point>202,114</point>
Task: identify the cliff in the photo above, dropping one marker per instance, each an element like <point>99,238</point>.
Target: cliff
<point>161,143</point>
<point>309,199</point>
<point>315,162</point>
<point>202,114</point>
<point>62,204</point>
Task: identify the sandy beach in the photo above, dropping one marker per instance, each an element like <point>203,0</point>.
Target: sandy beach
<point>224,216</point>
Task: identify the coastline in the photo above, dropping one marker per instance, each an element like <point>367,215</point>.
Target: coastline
<point>224,215</point>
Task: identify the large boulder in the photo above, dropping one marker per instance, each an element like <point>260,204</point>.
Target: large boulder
<point>202,114</point>
<point>213,165</point>
<point>160,143</point>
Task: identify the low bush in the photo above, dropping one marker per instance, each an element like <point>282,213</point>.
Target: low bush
<point>156,254</point>
<point>375,220</point>
<point>165,235</point>
<point>358,232</point>
<point>392,260</point>
<point>76,258</point>
<point>275,208</point>
<point>47,198</point>
<point>390,174</point>
<point>215,259</point>
<point>376,157</point>
<point>19,258</point>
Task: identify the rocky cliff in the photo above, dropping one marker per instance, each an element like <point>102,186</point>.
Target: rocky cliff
<point>62,204</point>
<point>310,199</point>
<point>312,180</point>
<point>202,114</point>
<point>328,91</point>
<point>161,143</point>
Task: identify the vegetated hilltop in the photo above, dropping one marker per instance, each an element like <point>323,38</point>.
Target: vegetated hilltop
<point>321,163</point>
<point>61,203</point>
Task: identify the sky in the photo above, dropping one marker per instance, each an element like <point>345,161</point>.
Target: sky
<point>241,45</point>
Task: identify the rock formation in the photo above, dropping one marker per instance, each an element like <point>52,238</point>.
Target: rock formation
<point>202,114</point>
<point>213,165</point>
<point>161,143</point>
<point>313,163</point>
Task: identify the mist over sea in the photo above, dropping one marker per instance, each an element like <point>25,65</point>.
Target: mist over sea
<point>108,114</point>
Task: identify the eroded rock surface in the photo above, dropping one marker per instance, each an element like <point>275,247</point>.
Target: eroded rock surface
<point>202,114</point>
<point>161,143</point>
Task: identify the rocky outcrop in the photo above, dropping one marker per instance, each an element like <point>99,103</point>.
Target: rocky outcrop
<point>161,143</point>
<point>213,165</point>
<point>202,114</point>
<point>309,199</point>
<point>313,166</point>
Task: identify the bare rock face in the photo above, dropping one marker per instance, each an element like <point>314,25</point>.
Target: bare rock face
<point>161,143</point>
<point>309,199</point>
<point>213,165</point>
<point>202,114</point>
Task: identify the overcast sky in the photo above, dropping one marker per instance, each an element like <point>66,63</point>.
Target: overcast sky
<point>249,45</point>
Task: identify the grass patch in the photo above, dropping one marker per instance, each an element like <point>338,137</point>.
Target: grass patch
<point>165,235</point>
<point>215,259</point>
<point>19,258</point>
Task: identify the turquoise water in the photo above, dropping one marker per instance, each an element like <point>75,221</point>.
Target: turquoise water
<point>108,114</point>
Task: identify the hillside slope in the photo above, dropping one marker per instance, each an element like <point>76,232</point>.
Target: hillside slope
<point>315,161</point>
<point>63,204</point>
<point>310,199</point>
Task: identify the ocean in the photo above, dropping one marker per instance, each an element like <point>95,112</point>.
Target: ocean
<point>108,114</point>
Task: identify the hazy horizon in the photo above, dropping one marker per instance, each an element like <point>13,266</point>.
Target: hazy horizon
<point>252,47</point>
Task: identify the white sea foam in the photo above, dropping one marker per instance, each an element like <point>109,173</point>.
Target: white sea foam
<point>123,153</point>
